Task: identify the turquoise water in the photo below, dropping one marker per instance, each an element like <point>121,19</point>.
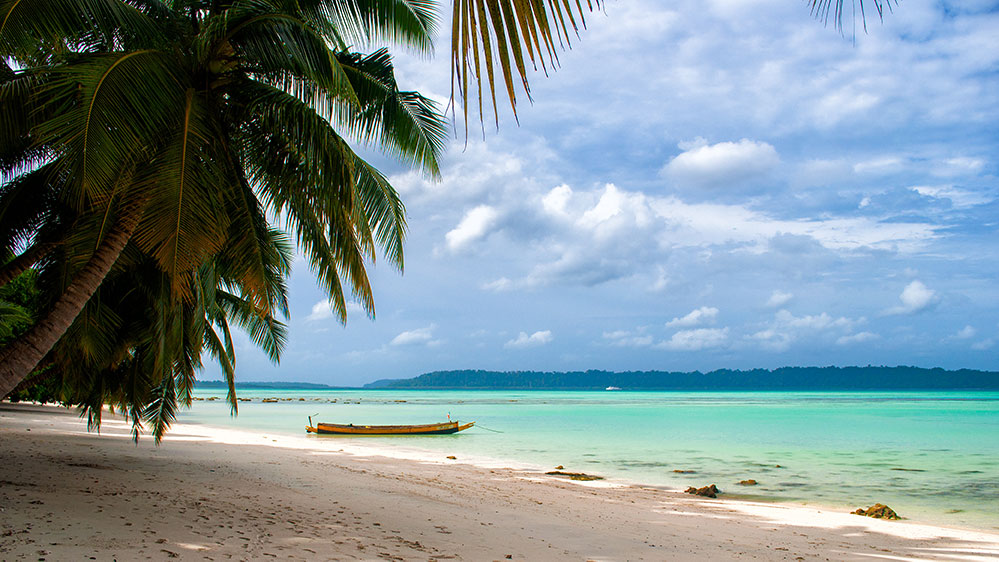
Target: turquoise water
<point>932,456</point>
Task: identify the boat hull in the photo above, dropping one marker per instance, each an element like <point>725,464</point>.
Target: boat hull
<point>350,429</point>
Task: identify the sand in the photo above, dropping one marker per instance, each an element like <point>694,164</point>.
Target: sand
<point>67,494</point>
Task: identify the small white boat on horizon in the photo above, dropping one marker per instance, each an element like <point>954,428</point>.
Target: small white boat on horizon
<point>613,388</point>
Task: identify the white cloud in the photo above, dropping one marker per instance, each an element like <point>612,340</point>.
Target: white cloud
<point>821,173</point>
<point>588,237</point>
<point>616,213</point>
<point>419,336</point>
<point>772,339</point>
<point>723,164</point>
<point>556,200</point>
<point>959,166</point>
<point>474,226</point>
<point>787,328</point>
<point>320,311</point>
<point>323,310</point>
<point>705,224</point>
<point>834,107</point>
<point>984,344</point>
<point>779,298</point>
<point>696,317</point>
<point>880,166</point>
<point>964,333</point>
<point>523,340</point>
<point>859,337</point>
<point>693,340</point>
<point>816,322</point>
<point>625,338</point>
<point>499,285</point>
<point>959,198</point>
<point>915,297</point>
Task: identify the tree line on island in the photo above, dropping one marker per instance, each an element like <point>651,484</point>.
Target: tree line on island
<point>784,378</point>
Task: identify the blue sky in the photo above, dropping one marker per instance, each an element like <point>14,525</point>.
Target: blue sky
<point>701,185</point>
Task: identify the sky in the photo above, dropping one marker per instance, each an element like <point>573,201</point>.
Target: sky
<point>701,185</point>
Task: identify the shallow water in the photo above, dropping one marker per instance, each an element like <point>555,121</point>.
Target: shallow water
<point>932,456</point>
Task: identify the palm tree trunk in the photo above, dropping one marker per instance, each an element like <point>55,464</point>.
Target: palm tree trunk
<point>19,358</point>
<point>21,263</point>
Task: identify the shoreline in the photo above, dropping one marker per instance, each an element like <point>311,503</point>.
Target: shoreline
<point>800,448</point>
<point>213,493</point>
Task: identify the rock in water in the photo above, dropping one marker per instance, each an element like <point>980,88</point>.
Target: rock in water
<point>708,491</point>
<point>878,511</point>
<point>749,482</point>
<point>575,475</point>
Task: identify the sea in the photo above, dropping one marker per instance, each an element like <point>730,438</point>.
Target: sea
<point>931,456</point>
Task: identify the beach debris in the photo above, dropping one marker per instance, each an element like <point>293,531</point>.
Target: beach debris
<point>711,491</point>
<point>683,471</point>
<point>452,457</point>
<point>878,511</point>
<point>575,475</point>
<point>749,482</point>
<point>559,467</point>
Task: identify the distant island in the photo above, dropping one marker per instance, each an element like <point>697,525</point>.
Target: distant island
<point>276,385</point>
<point>785,378</point>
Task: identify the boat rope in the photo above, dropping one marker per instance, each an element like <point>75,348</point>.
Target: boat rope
<point>487,429</point>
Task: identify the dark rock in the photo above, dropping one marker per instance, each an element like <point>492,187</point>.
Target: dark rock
<point>878,511</point>
<point>559,467</point>
<point>749,482</point>
<point>575,475</point>
<point>707,491</point>
<point>682,471</point>
<point>452,457</point>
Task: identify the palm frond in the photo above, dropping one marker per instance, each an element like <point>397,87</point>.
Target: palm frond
<point>825,9</point>
<point>113,112</point>
<point>305,172</point>
<point>185,222</point>
<point>383,210</point>
<point>267,41</point>
<point>358,22</point>
<point>493,29</point>
<point>26,23</point>
<point>266,331</point>
<point>27,203</point>
<point>405,124</point>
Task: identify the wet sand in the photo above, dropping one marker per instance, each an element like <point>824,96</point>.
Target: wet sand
<point>69,494</point>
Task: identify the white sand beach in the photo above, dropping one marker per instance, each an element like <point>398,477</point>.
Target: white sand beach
<point>207,494</point>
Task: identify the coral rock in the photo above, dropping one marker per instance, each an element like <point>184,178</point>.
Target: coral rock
<point>878,511</point>
<point>707,491</point>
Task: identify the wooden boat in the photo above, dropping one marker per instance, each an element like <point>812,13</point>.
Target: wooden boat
<point>351,429</point>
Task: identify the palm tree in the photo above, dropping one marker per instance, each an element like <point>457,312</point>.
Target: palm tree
<point>135,348</point>
<point>171,126</point>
